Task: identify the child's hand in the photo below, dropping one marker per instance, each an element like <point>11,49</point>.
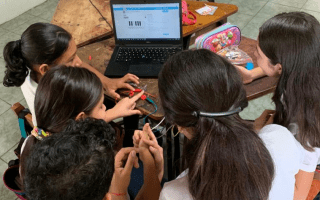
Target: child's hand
<point>141,134</point>
<point>116,83</point>
<point>125,107</point>
<point>125,159</point>
<point>147,140</point>
<point>246,74</point>
<point>265,118</point>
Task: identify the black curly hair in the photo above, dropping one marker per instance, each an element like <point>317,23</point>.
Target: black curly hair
<point>40,43</point>
<point>77,163</point>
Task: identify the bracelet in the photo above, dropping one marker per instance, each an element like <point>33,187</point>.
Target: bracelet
<point>119,194</point>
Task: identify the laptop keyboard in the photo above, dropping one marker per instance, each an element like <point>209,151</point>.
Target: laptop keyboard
<point>143,54</point>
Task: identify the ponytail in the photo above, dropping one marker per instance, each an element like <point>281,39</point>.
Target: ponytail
<point>227,160</point>
<point>41,43</point>
<point>16,68</point>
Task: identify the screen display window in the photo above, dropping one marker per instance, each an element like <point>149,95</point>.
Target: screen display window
<point>147,21</point>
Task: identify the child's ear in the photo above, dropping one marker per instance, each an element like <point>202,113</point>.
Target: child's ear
<point>278,68</point>
<point>43,68</point>
<point>81,115</point>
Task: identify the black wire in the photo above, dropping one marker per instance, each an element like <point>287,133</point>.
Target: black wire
<point>101,15</point>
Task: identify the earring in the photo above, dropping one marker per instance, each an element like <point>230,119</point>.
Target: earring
<point>174,135</point>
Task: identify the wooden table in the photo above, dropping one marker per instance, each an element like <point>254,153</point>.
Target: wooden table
<point>86,25</point>
<point>101,52</point>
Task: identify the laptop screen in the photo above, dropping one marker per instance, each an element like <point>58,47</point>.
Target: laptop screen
<point>148,22</point>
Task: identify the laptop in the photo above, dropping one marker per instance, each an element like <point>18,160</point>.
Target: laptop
<point>146,33</point>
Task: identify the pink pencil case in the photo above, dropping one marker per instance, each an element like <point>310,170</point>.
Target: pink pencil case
<point>219,38</point>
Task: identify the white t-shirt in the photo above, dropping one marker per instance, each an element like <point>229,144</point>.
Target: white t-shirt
<point>287,155</point>
<point>29,88</point>
<point>311,159</point>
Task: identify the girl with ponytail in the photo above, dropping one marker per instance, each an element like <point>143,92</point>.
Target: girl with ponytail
<point>202,93</point>
<point>43,45</point>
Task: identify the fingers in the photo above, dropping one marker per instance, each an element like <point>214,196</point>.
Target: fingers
<point>133,105</point>
<point>136,97</point>
<point>132,158</point>
<point>150,142</point>
<point>132,78</point>
<point>112,94</point>
<point>157,154</point>
<point>128,86</point>
<point>148,130</point>
<point>136,77</point>
<point>152,136</point>
<point>135,112</point>
<point>122,155</point>
<point>136,138</point>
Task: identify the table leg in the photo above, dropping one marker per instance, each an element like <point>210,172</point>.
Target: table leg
<point>186,42</point>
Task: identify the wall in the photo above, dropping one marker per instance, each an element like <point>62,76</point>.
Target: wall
<point>10,9</point>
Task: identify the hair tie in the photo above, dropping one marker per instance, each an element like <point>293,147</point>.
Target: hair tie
<point>39,133</point>
<point>219,114</point>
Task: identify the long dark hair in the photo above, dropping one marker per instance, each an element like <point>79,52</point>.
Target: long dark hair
<point>293,40</point>
<point>226,158</point>
<point>40,43</point>
<point>63,93</point>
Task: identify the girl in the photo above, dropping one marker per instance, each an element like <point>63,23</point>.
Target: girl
<point>75,93</point>
<point>289,47</point>
<point>41,46</point>
<point>202,93</point>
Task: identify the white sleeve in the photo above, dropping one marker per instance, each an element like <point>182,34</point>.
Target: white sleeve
<point>164,194</point>
<point>310,161</point>
<point>176,189</point>
<point>287,156</point>
<point>28,89</point>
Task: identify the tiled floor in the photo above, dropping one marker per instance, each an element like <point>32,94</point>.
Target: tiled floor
<point>251,15</point>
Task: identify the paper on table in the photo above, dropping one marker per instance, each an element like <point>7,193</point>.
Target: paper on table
<point>207,10</point>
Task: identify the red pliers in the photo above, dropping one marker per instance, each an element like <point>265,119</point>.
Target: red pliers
<point>143,97</point>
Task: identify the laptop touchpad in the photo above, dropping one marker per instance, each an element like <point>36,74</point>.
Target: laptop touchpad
<point>140,69</point>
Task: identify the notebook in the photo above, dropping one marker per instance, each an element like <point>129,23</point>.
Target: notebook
<point>146,34</point>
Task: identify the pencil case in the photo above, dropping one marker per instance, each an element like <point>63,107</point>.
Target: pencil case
<point>235,55</point>
<point>219,38</point>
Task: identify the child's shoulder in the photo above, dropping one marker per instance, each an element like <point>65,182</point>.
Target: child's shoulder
<point>176,189</point>
<point>276,134</point>
<point>283,146</point>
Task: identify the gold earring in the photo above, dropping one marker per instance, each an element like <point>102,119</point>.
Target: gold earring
<point>174,135</point>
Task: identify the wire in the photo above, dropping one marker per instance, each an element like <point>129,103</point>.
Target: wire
<point>171,127</point>
<point>156,126</point>
<point>101,15</point>
<point>156,109</point>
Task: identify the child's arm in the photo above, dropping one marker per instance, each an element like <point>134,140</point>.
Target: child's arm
<point>302,185</point>
<point>125,107</point>
<point>249,75</point>
<point>125,159</point>
<point>151,186</point>
<point>111,85</point>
